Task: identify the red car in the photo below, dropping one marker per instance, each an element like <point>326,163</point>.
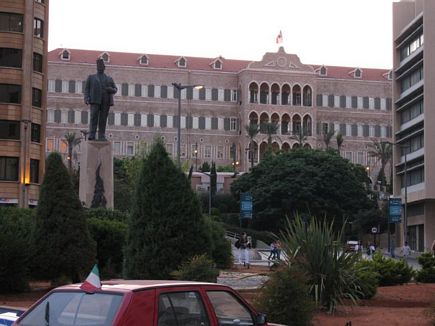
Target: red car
<point>144,303</point>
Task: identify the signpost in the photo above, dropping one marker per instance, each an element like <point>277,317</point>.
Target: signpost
<point>245,205</point>
<point>395,211</point>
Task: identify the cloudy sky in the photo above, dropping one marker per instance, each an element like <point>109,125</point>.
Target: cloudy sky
<point>355,33</point>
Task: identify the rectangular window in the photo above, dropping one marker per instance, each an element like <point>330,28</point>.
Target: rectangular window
<point>124,89</point>
<point>36,133</point>
<point>137,119</point>
<point>189,93</point>
<point>37,62</point>
<point>360,158</point>
<point>150,120</point>
<point>11,22</point>
<point>201,123</point>
<point>10,93</point>
<point>124,119</point>
<point>9,129</point>
<point>8,168</point>
<point>164,91</point>
<point>72,86</point>
<point>214,123</point>
<point>366,130</point>
<point>117,147</point>
<point>377,103</point>
<point>207,151</point>
<point>236,95</point>
<point>214,94</point>
<point>150,90</point>
<point>84,117</point>
<point>58,86</point>
<point>38,27</point>
<point>227,95</point>
<point>202,93</point>
<point>319,100</point>
<point>36,97</point>
<point>354,102</point>
<point>34,171</point>
<point>130,148</point>
<point>365,102</point>
<point>220,152</point>
<point>354,130</point>
<point>137,90</point>
<point>71,116</point>
<point>233,124</point>
<point>11,57</point>
<point>377,131</point>
<point>331,101</point>
<point>342,101</point>
<point>389,103</point>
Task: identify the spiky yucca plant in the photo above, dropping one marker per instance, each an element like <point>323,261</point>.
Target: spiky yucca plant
<point>317,249</point>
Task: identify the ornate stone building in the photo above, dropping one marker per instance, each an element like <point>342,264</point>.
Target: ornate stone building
<point>23,80</point>
<point>300,98</point>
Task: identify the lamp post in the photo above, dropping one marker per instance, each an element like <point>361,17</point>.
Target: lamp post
<point>180,87</point>
<point>196,156</point>
<point>209,192</point>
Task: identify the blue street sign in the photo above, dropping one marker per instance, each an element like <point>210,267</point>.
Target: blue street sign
<point>395,210</point>
<point>245,205</point>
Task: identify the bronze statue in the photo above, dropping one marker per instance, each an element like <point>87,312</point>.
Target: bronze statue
<point>99,90</point>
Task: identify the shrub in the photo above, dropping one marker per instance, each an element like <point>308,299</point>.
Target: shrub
<point>198,268</point>
<point>107,214</point>
<point>285,298</point>
<point>368,279</point>
<point>110,236</point>
<point>15,230</point>
<point>391,271</point>
<point>220,247</point>
<point>427,272</point>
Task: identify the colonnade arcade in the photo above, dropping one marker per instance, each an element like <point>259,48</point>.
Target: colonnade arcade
<point>285,94</point>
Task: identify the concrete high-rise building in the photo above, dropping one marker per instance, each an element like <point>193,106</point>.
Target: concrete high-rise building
<point>413,115</point>
<point>23,80</point>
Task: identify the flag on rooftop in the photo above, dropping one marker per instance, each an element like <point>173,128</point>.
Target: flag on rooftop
<point>92,282</point>
<point>279,38</point>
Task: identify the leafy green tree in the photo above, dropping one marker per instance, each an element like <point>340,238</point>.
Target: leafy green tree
<point>205,167</point>
<point>320,183</point>
<point>382,152</point>
<point>122,184</point>
<point>166,226</point>
<point>270,129</point>
<point>340,140</point>
<point>61,240</point>
<point>300,137</point>
<point>327,137</point>
<point>252,130</point>
<point>213,180</point>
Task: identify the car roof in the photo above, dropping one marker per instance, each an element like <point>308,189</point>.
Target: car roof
<point>136,285</point>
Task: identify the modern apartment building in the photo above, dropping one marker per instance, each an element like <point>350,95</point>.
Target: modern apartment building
<point>279,88</point>
<point>414,100</point>
<point>23,80</point>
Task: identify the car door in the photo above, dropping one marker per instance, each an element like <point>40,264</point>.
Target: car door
<point>180,307</point>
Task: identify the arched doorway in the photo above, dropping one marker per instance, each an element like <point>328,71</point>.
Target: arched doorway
<point>253,93</point>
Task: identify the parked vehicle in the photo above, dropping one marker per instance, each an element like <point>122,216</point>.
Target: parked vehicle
<point>8,318</point>
<point>352,245</point>
<point>144,303</point>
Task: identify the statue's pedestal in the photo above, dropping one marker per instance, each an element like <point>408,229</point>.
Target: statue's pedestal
<point>96,154</point>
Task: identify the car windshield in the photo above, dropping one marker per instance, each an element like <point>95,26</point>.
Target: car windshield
<point>74,308</point>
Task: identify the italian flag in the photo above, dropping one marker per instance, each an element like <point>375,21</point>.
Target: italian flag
<point>92,282</point>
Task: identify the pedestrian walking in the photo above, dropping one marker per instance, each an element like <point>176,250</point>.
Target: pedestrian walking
<point>406,250</point>
<point>278,250</point>
<point>245,245</point>
<point>272,254</point>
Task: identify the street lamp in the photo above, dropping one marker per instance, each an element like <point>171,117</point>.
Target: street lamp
<point>180,87</point>
<point>209,192</point>
<point>195,151</point>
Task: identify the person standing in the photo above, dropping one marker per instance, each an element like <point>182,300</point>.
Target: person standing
<point>98,93</point>
<point>272,251</point>
<point>244,249</point>
<point>406,250</point>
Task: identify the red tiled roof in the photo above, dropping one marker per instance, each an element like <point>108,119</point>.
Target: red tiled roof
<point>197,63</point>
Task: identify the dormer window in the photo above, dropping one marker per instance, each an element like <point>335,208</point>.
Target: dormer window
<point>143,60</point>
<point>357,73</point>
<point>323,71</point>
<point>217,65</point>
<point>65,55</point>
<point>182,63</point>
<point>105,56</point>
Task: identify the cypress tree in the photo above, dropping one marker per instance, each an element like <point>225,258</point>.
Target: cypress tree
<point>61,240</point>
<point>166,226</point>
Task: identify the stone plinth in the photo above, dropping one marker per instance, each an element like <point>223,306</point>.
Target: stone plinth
<point>96,154</point>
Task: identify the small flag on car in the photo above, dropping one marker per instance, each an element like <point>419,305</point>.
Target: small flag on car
<point>92,282</point>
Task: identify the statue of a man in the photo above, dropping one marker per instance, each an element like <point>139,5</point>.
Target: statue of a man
<point>99,90</point>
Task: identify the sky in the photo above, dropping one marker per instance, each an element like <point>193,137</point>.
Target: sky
<point>353,33</point>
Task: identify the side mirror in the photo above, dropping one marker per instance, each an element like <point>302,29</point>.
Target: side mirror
<point>261,319</point>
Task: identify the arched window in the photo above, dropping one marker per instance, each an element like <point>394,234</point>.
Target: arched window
<point>323,71</point>
<point>105,57</point>
<point>253,118</point>
<point>308,95</point>
<point>264,118</point>
<point>263,149</point>
<point>253,152</point>
<point>253,93</point>
<point>264,93</point>
<point>295,145</point>
<point>275,119</point>
<point>307,126</point>
<point>296,124</point>
<point>66,55</point>
<point>275,94</point>
<point>143,60</point>
<point>285,147</point>
<point>296,95</point>
<point>307,145</point>
<point>285,121</point>
<point>285,95</point>
<point>275,147</point>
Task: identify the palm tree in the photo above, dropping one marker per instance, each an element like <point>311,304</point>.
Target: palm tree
<point>71,141</point>
<point>382,152</point>
<point>327,137</point>
<point>299,136</point>
<point>252,130</point>
<point>340,140</point>
<point>270,129</point>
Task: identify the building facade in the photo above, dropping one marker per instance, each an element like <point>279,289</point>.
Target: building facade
<point>23,80</point>
<point>414,98</point>
<point>299,98</point>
